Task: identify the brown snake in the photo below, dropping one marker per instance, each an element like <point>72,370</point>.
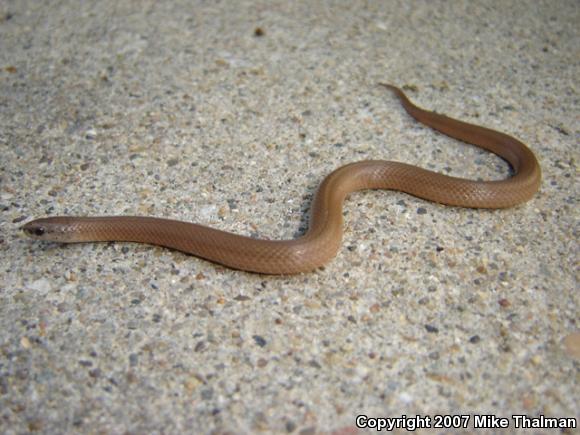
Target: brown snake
<point>323,238</point>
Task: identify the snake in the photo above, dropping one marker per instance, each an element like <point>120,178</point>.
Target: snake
<point>322,240</point>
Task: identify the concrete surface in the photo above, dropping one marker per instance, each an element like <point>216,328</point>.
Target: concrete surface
<point>230,114</point>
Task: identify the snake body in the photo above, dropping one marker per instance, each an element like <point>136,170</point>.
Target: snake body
<point>323,238</point>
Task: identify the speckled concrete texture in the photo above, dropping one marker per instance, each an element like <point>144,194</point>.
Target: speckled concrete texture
<point>229,114</point>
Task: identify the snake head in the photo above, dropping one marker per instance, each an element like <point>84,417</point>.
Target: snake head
<point>47,229</point>
<point>34,230</point>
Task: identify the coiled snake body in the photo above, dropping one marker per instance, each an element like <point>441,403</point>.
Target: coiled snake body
<point>323,238</point>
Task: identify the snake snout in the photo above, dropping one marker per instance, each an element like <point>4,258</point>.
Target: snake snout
<point>34,230</point>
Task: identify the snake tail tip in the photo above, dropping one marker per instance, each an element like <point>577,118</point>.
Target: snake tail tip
<point>392,88</point>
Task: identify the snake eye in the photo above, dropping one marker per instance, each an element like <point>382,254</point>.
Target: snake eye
<point>39,231</point>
